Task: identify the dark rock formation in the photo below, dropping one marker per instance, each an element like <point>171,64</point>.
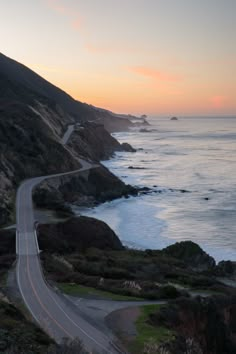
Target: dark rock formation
<point>93,141</point>
<point>127,147</point>
<point>86,188</point>
<point>191,254</point>
<point>174,118</point>
<point>144,130</point>
<point>225,269</point>
<point>136,168</point>
<point>76,235</point>
<point>202,325</point>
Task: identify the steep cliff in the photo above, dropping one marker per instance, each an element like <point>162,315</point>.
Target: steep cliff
<point>28,148</point>
<point>34,115</point>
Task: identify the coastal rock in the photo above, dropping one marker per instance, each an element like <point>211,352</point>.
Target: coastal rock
<point>144,130</point>
<point>191,254</point>
<point>136,168</point>
<point>95,186</point>
<point>77,235</point>
<point>94,142</point>
<point>225,269</point>
<point>127,147</point>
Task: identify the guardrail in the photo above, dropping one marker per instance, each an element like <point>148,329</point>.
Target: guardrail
<point>17,251</point>
<point>36,236</point>
<point>118,348</point>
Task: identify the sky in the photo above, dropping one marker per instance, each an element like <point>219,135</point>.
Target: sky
<point>155,57</point>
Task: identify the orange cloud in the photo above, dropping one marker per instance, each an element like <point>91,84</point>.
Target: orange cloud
<point>154,74</point>
<point>72,16</point>
<point>218,101</point>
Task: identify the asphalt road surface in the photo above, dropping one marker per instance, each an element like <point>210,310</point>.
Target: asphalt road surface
<point>53,314</point>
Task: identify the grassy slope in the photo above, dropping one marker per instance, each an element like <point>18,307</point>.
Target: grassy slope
<point>146,333</point>
<point>79,290</point>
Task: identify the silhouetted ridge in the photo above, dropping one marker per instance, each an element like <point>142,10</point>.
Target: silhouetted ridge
<point>16,72</point>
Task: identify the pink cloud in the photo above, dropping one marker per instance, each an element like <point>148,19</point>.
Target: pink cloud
<point>218,101</point>
<point>73,17</point>
<point>77,23</point>
<point>57,6</point>
<point>154,74</point>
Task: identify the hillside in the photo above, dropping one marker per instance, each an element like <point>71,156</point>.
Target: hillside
<point>28,148</point>
<point>30,82</point>
<point>34,115</point>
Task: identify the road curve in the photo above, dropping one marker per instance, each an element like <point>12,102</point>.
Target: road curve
<point>48,309</point>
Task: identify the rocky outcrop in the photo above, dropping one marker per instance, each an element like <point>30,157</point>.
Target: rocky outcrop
<point>191,254</point>
<point>226,269</point>
<point>86,188</point>
<point>76,235</point>
<point>92,140</point>
<point>202,325</point>
<point>127,147</point>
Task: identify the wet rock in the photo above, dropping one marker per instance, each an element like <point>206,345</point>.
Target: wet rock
<point>127,147</point>
<point>136,168</point>
<point>144,130</point>
<point>184,191</point>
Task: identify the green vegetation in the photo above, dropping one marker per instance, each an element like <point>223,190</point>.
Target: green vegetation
<point>127,273</point>
<point>19,335</point>
<point>146,332</point>
<point>79,290</point>
<point>149,274</point>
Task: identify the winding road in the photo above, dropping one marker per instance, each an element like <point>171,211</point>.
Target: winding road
<point>49,310</point>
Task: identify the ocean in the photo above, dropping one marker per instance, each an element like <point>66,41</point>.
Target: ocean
<point>191,166</point>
